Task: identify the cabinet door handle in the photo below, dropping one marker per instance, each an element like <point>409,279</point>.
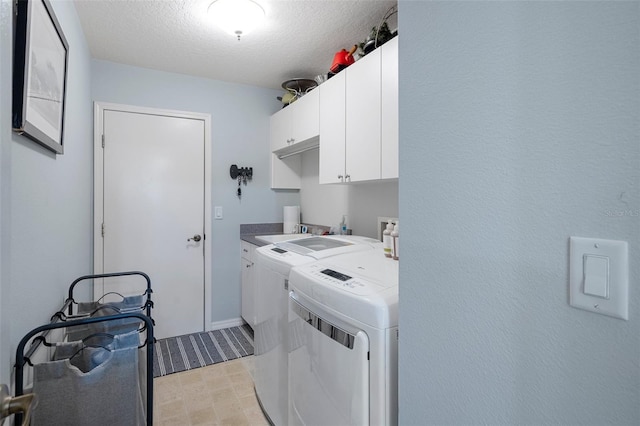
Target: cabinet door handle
<point>340,177</point>
<point>347,177</point>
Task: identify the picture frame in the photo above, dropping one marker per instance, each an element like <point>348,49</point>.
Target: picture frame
<point>40,61</point>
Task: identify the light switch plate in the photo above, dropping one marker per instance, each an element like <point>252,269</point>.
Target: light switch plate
<point>217,212</point>
<point>614,301</point>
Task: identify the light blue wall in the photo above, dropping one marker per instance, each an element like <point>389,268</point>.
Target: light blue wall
<point>45,210</point>
<point>240,135</point>
<point>363,203</point>
<point>519,127</point>
<point>5,142</point>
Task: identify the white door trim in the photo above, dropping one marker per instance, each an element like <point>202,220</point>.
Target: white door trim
<point>98,174</point>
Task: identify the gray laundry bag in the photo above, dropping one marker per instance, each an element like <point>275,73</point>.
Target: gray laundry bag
<point>87,385</point>
<point>97,309</point>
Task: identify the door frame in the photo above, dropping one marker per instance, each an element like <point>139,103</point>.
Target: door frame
<point>98,186</point>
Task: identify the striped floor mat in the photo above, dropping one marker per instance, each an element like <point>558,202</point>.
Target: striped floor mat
<point>190,351</point>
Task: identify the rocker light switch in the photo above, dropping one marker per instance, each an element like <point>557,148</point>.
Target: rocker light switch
<point>596,275</point>
<point>599,276</point>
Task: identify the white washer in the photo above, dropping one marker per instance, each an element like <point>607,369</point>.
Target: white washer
<point>273,263</point>
<point>343,352</point>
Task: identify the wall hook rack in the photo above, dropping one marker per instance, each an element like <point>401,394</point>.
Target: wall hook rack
<point>242,174</point>
<point>245,172</point>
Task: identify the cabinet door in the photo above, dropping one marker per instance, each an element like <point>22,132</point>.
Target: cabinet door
<point>248,293</point>
<point>305,117</point>
<point>363,118</point>
<point>280,128</point>
<point>332,129</point>
<point>389,121</point>
<point>246,250</point>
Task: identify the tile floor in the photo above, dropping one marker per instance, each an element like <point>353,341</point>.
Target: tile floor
<point>219,394</point>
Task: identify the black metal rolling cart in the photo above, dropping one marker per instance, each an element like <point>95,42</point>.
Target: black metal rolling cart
<point>92,366</point>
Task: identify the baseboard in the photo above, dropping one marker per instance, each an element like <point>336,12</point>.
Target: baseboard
<point>226,324</point>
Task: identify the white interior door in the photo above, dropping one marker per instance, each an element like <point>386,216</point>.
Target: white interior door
<point>153,202</point>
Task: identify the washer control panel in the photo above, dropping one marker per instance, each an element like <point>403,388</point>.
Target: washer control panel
<point>337,279</point>
<point>336,275</point>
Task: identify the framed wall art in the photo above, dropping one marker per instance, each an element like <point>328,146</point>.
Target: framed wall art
<point>39,74</point>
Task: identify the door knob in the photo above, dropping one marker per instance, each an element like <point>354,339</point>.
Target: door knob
<point>195,238</point>
<point>18,404</point>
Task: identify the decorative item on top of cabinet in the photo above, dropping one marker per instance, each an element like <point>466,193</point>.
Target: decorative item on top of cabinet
<point>295,89</point>
<point>381,34</point>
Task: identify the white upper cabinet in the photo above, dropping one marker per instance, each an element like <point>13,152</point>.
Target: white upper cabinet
<point>359,120</point>
<point>363,119</point>
<point>332,129</point>
<point>280,128</point>
<point>293,129</point>
<point>389,119</point>
<point>355,114</point>
<point>296,123</point>
<point>306,121</point>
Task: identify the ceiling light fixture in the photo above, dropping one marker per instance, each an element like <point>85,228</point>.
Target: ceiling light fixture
<point>237,17</point>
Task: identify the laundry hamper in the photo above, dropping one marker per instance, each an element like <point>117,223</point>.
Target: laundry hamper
<point>97,309</point>
<point>93,366</point>
<point>125,304</point>
<point>99,380</point>
<point>90,385</point>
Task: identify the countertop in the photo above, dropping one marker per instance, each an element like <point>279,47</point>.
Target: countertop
<point>248,232</point>
<point>251,238</point>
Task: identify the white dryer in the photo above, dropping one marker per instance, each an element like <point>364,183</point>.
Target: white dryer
<point>343,352</point>
<point>273,263</point>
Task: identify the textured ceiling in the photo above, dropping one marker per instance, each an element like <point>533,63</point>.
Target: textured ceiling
<point>298,39</point>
